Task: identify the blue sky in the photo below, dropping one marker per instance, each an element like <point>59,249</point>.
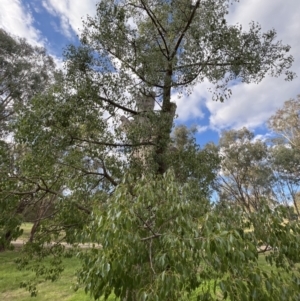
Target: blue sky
<point>56,23</point>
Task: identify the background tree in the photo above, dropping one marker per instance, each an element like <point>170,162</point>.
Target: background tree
<point>285,165</point>
<point>245,177</point>
<point>25,71</point>
<point>190,162</point>
<point>285,123</point>
<point>10,204</point>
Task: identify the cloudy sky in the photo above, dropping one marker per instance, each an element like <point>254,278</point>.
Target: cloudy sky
<point>56,23</point>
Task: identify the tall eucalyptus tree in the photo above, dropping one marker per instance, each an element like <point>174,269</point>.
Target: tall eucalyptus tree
<point>138,47</point>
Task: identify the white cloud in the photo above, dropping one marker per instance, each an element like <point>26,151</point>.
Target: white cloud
<point>201,129</point>
<point>265,138</point>
<point>65,26</point>
<point>70,13</point>
<point>16,19</point>
<point>58,62</point>
<point>190,106</point>
<point>251,105</point>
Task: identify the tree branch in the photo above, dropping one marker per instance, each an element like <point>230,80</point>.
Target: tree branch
<point>80,207</point>
<point>156,23</point>
<point>185,29</point>
<point>151,237</point>
<point>113,144</point>
<point>118,105</point>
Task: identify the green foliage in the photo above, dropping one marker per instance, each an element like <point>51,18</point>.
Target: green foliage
<point>190,163</point>
<point>179,248</point>
<point>10,206</point>
<point>158,260</point>
<point>258,232</point>
<point>25,70</point>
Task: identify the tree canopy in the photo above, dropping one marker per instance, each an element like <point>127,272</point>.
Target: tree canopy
<point>25,70</point>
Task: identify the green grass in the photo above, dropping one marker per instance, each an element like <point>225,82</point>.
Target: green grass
<point>10,279</point>
<point>26,231</point>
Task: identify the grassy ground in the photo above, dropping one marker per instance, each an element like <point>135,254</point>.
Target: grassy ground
<point>26,231</point>
<point>10,279</point>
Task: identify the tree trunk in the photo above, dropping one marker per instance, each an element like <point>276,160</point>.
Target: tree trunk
<point>43,209</point>
<point>167,117</point>
<point>6,242</point>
